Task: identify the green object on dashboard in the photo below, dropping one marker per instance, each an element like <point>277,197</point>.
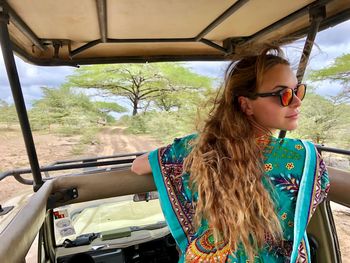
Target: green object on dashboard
<point>116,233</point>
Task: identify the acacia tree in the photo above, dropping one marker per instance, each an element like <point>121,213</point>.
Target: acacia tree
<point>326,119</point>
<point>318,119</point>
<point>7,113</point>
<point>139,83</point>
<point>65,107</point>
<point>338,71</point>
<point>108,107</point>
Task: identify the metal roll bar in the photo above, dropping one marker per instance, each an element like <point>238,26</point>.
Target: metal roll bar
<point>17,94</point>
<point>316,17</point>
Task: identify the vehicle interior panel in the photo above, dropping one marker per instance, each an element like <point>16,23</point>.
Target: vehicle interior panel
<point>22,230</point>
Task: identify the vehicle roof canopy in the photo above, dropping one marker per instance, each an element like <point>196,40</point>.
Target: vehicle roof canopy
<point>49,32</point>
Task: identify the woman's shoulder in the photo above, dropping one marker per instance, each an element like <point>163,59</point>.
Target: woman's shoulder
<point>297,147</point>
<point>187,141</point>
<point>179,149</point>
<point>296,142</point>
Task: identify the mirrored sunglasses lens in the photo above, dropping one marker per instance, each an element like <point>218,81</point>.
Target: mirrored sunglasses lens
<point>286,97</point>
<point>300,92</point>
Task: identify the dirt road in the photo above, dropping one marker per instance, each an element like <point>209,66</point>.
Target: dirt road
<point>115,140</point>
<point>50,148</point>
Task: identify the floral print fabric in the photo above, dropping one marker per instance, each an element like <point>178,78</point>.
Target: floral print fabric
<point>284,165</point>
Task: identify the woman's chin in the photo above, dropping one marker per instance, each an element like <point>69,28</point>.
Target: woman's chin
<point>292,128</point>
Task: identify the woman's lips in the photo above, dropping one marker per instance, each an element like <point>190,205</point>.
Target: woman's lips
<point>293,116</point>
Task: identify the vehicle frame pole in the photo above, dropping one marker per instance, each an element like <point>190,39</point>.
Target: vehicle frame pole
<point>316,17</point>
<point>17,94</point>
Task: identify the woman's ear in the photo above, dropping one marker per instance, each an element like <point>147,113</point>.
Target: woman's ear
<point>246,105</point>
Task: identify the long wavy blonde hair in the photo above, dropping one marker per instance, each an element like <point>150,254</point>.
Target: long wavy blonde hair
<point>226,163</point>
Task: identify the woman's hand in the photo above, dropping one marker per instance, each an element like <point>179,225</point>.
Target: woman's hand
<point>141,165</point>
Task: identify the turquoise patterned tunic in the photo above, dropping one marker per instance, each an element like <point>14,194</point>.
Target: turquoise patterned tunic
<point>294,168</point>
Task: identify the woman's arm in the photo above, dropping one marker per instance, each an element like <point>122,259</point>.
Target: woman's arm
<point>141,165</point>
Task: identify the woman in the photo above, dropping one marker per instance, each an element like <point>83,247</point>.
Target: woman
<point>234,192</point>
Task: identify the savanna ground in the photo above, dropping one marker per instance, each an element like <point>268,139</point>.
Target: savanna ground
<point>109,141</point>
<point>51,147</point>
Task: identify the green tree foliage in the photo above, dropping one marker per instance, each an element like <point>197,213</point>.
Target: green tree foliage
<point>8,114</point>
<point>167,125</point>
<point>327,120</point>
<point>65,108</point>
<point>144,85</point>
<point>317,119</point>
<point>108,107</point>
<point>338,71</point>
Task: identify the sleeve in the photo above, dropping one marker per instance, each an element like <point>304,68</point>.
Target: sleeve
<point>172,185</point>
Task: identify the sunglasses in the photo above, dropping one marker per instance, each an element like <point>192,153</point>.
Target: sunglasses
<point>286,94</point>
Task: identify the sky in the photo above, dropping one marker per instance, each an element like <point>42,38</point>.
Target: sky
<point>330,44</point>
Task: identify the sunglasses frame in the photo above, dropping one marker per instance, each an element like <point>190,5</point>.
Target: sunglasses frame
<point>279,93</point>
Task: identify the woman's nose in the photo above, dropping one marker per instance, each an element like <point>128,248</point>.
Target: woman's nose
<point>296,101</point>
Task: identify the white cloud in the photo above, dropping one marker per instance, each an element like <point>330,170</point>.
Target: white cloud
<point>336,35</point>
<point>6,94</point>
<point>32,78</point>
<point>214,69</point>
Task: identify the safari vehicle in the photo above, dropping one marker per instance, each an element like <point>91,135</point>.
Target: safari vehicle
<point>79,32</point>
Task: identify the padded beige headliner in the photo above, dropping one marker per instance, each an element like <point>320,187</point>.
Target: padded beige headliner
<point>76,23</point>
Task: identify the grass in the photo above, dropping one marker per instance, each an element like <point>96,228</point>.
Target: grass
<point>88,137</point>
<point>68,131</point>
<point>78,149</point>
<point>164,126</point>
